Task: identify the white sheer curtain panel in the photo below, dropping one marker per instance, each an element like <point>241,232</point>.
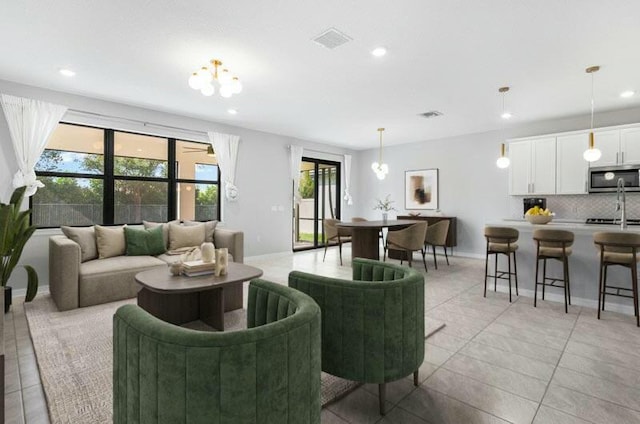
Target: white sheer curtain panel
<point>225,147</point>
<point>31,123</point>
<point>295,162</point>
<point>347,180</point>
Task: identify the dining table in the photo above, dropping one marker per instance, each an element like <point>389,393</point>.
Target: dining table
<point>365,235</point>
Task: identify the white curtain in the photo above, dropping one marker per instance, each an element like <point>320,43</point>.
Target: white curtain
<point>295,161</point>
<point>31,123</point>
<point>347,180</point>
<point>226,148</point>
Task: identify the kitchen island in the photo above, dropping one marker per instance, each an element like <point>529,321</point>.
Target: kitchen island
<point>584,265</point>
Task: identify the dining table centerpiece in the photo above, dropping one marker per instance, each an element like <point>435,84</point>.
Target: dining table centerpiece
<point>385,206</point>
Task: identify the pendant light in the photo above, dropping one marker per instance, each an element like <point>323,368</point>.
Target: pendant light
<point>503,161</point>
<point>381,169</point>
<point>592,154</point>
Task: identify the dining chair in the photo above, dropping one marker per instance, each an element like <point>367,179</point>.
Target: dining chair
<point>408,240</point>
<point>437,236</point>
<point>333,233</point>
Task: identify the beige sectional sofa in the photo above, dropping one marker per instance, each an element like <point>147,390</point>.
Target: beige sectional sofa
<point>74,283</point>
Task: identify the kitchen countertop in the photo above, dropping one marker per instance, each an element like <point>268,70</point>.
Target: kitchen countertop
<point>578,227</point>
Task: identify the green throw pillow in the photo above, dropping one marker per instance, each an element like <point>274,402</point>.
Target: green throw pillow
<point>144,242</point>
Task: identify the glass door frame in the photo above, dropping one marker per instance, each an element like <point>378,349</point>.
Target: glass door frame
<point>318,239</point>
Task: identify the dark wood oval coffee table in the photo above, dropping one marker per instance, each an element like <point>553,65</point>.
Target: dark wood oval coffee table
<point>181,299</point>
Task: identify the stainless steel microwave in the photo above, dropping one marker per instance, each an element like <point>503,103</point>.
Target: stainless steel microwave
<point>605,178</point>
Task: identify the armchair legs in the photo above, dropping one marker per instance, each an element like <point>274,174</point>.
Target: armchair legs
<point>382,392</point>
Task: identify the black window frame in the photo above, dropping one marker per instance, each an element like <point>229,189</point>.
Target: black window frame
<point>109,179</point>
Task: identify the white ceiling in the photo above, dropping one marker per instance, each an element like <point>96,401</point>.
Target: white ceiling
<point>446,55</point>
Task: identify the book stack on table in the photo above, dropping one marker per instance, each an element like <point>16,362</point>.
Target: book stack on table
<point>197,268</point>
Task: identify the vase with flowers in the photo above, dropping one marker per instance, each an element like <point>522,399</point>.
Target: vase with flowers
<point>385,206</point>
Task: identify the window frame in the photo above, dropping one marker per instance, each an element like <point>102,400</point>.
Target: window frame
<point>109,178</point>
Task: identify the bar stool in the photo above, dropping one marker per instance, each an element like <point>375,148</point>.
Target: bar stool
<point>618,248</point>
<point>553,244</point>
<point>501,240</point>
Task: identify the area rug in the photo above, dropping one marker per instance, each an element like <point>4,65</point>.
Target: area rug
<point>74,354</point>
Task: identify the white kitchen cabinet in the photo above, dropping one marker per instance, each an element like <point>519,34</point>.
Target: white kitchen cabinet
<point>520,167</point>
<point>609,144</point>
<point>630,146</point>
<point>533,166</point>
<point>571,169</point>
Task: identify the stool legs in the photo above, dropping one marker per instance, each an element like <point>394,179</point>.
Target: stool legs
<point>634,281</point>
<point>486,270</point>
<point>509,270</point>
<point>565,280</point>
<point>515,270</point>
<point>495,275</point>
<point>544,275</point>
<point>600,284</point>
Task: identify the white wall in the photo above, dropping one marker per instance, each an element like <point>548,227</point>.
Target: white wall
<point>471,187</point>
<point>262,174</point>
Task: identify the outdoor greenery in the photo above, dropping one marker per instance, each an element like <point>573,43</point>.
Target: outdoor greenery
<point>130,196</point>
<point>306,185</point>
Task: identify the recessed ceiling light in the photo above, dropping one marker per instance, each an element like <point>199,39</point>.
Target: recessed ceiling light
<point>379,51</point>
<point>232,111</point>
<point>67,72</point>
<point>506,115</point>
<point>627,94</point>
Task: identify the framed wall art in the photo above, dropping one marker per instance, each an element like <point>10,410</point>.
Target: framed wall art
<point>421,189</point>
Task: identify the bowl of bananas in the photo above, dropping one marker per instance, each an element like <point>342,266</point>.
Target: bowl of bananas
<point>538,216</point>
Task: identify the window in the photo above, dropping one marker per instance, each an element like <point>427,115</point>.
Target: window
<point>103,176</point>
<point>197,196</point>
<point>72,170</point>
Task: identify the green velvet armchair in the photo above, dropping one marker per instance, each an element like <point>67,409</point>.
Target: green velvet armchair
<point>373,326</point>
<point>268,373</point>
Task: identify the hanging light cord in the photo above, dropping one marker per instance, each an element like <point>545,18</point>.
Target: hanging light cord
<point>380,160</point>
<point>592,101</point>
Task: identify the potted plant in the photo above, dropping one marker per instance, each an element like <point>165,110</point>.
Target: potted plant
<point>15,231</point>
<point>385,206</point>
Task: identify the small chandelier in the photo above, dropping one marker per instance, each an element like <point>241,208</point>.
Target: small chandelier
<point>203,80</point>
<point>381,169</point>
<point>592,154</point>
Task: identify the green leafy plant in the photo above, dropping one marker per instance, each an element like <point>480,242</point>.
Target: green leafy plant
<point>15,231</point>
<point>384,205</point>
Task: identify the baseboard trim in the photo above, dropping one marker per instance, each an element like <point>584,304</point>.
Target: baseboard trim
<point>555,297</point>
<point>23,292</point>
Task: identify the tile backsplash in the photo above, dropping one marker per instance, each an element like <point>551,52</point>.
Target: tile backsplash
<point>582,206</point>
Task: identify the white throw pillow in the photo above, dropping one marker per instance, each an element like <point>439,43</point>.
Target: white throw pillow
<point>111,241</point>
<point>186,235</point>
<point>86,238</point>
<point>209,228</point>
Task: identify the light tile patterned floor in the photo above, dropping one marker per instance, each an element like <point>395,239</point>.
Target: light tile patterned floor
<point>494,362</point>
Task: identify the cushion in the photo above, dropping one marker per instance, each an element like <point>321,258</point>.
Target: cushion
<point>186,236</point>
<point>165,229</point>
<point>144,242</point>
<point>111,241</point>
<point>209,228</point>
<point>86,238</point>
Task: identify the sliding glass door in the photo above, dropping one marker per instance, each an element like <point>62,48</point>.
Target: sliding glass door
<point>320,193</point>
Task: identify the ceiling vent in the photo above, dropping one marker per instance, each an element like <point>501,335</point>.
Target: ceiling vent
<point>332,38</point>
<point>431,114</point>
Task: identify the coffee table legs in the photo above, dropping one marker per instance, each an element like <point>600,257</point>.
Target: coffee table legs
<point>180,308</point>
<point>212,308</point>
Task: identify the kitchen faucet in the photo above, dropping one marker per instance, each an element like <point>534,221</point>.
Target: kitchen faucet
<point>621,205</point>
